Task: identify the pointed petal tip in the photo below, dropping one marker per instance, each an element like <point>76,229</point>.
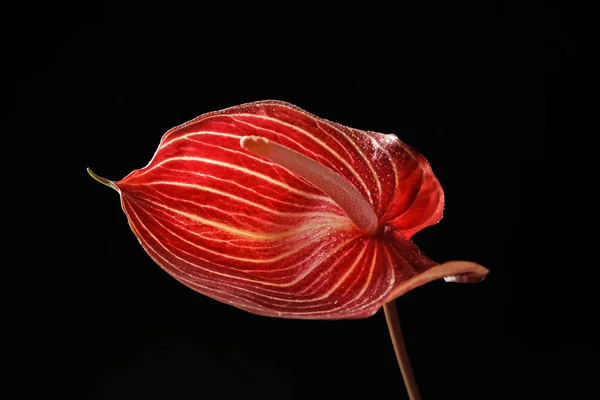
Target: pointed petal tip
<point>103,181</point>
<point>451,271</point>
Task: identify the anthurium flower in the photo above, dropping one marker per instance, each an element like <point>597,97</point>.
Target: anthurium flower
<point>276,211</point>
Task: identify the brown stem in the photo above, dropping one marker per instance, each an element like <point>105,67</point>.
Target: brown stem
<point>391,317</point>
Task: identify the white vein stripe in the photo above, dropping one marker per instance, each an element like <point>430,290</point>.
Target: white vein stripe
<point>233,183</point>
<point>243,170</point>
<point>295,266</point>
<point>209,271</point>
<point>365,286</point>
<point>321,280</point>
<point>239,153</point>
<point>200,133</point>
<point>316,140</point>
<point>347,137</point>
<point>289,300</point>
<point>392,161</point>
<point>196,266</point>
<point>237,217</point>
<point>253,235</point>
<point>343,278</point>
<point>243,259</point>
<point>279,134</point>
<point>241,200</point>
<point>228,296</point>
<point>369,276</point>
<point>364,157</point>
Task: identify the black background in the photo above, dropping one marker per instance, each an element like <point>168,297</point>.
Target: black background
<point>483,92</point>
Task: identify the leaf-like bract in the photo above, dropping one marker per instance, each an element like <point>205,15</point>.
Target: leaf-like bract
<point>246,231</point>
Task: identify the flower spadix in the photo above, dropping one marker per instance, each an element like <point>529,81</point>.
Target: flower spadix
<point>276,211</point>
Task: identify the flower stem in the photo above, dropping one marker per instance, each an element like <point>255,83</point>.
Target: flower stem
<point>391,317</point>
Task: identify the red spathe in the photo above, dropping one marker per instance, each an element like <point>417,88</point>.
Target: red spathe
<point>242,230</point>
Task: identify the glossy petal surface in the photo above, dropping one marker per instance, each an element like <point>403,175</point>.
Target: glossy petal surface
<point>245,231</point>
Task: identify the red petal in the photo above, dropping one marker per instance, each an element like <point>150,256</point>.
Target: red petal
<point>247,232</point>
